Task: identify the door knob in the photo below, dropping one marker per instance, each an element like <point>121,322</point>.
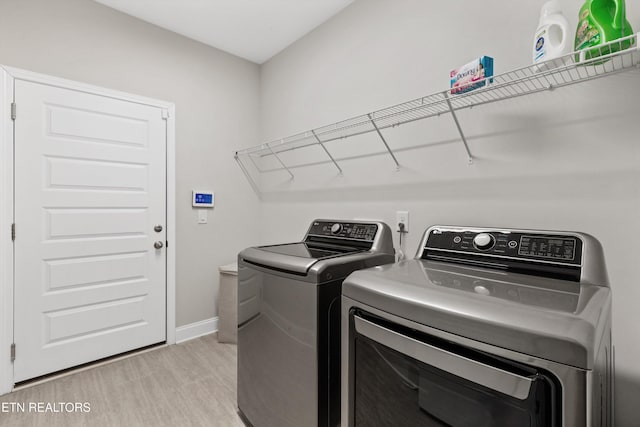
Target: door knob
<point>158,245</point>
<point>157,228</point>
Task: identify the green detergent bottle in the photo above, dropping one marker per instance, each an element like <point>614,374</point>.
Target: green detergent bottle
<point>600,22</point>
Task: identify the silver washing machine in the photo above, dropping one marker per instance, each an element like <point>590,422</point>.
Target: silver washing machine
<point>484,328</point>
<point>289,321</point>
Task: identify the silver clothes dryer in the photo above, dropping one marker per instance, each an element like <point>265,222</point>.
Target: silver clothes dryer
<point>485,327</point>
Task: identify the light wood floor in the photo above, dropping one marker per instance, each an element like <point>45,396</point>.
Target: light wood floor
<point>189,384</point>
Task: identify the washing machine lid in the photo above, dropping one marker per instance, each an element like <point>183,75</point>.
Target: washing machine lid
<point>295,258</point>
<point>335,244</point>
<point>278,261</point>
<point>558,320</point>
<point>308,250</point>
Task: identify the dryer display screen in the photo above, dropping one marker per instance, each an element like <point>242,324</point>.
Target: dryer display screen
<point>548,247</point>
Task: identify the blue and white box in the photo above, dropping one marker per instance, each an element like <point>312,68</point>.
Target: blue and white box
<point>472,75</point>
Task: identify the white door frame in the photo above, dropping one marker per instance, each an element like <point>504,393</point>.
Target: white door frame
<point>7,77</point>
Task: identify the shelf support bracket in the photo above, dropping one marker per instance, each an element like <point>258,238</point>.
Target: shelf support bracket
<point>384,141</point>
<point>279,160</point>
<point>326,151</point>
<point>253,184</point>
<point>455,119</point>
<point>254,163</point>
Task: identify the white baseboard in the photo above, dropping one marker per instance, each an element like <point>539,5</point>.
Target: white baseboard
<point>197,329</point>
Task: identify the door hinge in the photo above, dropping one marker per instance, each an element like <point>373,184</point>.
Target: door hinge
<point>13,231</point>
<point>165,114</point>
<point>13,111</point>
<point>13,352</point>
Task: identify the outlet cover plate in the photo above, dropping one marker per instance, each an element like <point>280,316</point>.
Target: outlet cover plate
<point>402,217</point>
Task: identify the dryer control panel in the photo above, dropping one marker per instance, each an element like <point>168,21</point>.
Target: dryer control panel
<point>542,253</point>
<point>522,245</point>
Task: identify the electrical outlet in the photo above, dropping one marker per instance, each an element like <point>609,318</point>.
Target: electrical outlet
<point>402,217</point>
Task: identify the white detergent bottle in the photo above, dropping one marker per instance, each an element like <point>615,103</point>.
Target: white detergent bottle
<point>551,37</point>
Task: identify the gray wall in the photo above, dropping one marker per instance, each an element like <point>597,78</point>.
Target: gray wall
<point>565,159</point>
<point>216,97</point>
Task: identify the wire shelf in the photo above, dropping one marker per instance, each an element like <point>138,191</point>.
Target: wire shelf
<point>619,55</point>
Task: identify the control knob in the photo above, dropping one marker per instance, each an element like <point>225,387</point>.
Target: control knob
<point>336,228</point>
<point>484,241</point>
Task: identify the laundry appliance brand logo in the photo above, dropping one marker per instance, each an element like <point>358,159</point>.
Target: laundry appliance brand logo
<point>44,407</point>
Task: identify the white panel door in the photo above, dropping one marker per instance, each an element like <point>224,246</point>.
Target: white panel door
<point>89,188</point>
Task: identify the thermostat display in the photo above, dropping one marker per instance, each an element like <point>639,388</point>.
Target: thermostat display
<point>202,199</point>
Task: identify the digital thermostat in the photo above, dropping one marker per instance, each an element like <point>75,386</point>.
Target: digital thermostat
<point>202,199</point>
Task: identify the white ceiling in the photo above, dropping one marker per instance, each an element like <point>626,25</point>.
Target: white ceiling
<point>252,29</point>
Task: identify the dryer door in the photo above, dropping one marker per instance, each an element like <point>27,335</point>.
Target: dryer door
<point>404,377</point>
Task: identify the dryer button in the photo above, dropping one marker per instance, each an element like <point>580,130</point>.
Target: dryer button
<point>484,241</point>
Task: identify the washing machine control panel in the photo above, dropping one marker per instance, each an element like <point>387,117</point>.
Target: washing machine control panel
<point>505,244</point>
<point>344,230</point>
